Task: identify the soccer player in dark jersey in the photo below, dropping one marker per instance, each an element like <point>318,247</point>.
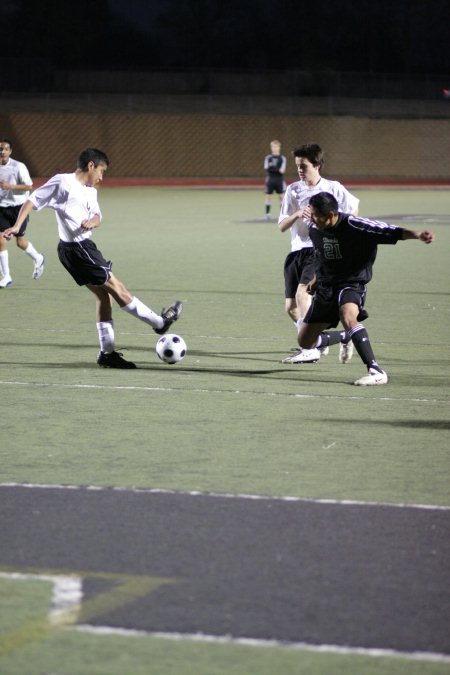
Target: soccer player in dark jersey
<point>346,248</point>
<point>275,167</point>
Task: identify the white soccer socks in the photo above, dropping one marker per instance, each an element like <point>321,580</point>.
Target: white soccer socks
<point>31,251</point>
<point>106,338</point>
<point>144,313</point>
<point>4,264</point>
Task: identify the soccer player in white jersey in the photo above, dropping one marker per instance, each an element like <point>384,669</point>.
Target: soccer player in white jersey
<point>295,216</point>
<point>74,200</point>
<point>15,186</point>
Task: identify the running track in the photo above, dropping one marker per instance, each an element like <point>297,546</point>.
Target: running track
<point>294,571</point>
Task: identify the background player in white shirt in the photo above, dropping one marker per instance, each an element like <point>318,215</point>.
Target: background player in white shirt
<point>295,216</point>
<point>15,185</point>
<point>74,200</point>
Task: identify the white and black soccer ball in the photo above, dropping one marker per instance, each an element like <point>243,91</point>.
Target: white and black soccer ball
<point>171,348</point>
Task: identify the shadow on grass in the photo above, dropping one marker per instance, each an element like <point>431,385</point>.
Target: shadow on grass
<point>306,373</point>
<point>273,356</point>
<point>436,425</point>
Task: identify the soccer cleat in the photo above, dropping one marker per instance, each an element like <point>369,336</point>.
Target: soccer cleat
<point>345,351</point>
<point>373,377</point>
<point>5,281</point>
<point>39,268</point>
<point>114,360</point>
<point>294,352</point>
<point>324,351</point>
<point>169,316</point>
<point>303,356</point>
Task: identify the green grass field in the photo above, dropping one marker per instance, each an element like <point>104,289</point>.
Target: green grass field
<point>230,418</point>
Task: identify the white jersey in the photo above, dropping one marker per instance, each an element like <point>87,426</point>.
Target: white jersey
<point>16,173</point>
<point>297,197</point>
<point>72,202</point>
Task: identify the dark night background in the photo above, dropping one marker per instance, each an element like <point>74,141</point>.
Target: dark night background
<point>377,36</point>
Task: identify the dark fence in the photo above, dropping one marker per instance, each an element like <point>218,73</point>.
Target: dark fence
<point>40,75</point>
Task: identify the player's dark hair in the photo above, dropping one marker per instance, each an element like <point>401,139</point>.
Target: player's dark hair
<point>312,152</point>
<point>92,155</point>
<point>6,140</point>
<point>324,203</point>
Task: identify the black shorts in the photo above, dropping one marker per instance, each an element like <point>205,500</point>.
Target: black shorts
<point>276,184</point>
<point>8,217</point>
<point>84,262</point>
<point>299,268</point>
<point>328,299</point>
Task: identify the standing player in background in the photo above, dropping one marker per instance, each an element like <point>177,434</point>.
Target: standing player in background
<point>275,167</point>
<point>346,249</point>
<point>74,200</point>
<point>15,185</point>
<point>295,216</point>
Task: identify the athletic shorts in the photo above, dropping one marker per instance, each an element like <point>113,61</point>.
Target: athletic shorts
<point>299,268</point>
<point>328,299</point>
<point>275,184</point>
<point>84,262</point>
<point>8,217</point>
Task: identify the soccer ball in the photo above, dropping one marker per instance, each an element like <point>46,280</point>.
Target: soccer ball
<point>171,348</point>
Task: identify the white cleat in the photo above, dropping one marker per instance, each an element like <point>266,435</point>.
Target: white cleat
<point>345,352</point>
<point>39,268</point>
<point>303,356</point>
<point>373,377</point>
<point>5,281</point>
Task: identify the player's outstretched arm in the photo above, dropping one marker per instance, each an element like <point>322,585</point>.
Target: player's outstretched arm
<point>424,235</point>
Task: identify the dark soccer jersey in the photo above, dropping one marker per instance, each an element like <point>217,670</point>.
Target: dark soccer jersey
<point>347,251</point>
<point>275,164</point>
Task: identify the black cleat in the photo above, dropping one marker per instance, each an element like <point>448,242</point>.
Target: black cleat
<point>114,360</point>
<point>169,316</point>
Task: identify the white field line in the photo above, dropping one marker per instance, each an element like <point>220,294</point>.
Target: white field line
<point>195,390</point>
<point>233,338</point>
<point>253,642</point>
<point>67,593</point>
<point>223,495</point>
<point>66,331</point>
<point>67,596</point>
